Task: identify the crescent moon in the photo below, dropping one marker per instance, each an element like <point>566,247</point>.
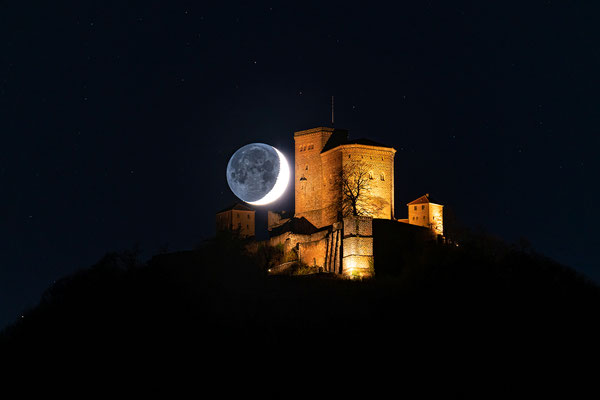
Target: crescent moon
<point>280,184</point>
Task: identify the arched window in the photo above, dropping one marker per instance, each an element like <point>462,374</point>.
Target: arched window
<point>382,176</point>
<point>370,174</point>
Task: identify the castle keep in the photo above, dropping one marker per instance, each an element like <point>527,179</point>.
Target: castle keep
<point>321,154</point>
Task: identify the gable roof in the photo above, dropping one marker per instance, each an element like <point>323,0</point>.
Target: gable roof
<point>424,199</point>
<point>236,206</point>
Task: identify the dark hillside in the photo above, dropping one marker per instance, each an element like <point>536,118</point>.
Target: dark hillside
<point>217,299</point>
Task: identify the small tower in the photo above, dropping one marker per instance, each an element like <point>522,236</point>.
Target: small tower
<point>428,213</point>
<point>236,218</point>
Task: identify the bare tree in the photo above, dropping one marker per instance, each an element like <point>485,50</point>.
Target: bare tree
<point>356,181</point>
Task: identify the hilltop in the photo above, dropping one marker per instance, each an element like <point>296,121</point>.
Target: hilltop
<point>218,297</point>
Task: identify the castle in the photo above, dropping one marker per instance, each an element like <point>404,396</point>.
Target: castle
<point>344,196</point>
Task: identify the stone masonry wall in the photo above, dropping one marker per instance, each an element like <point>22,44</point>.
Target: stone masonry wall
<point>331,191</point>
<point>308,174</point>
<point>357,257</point>
<point>380,162</point>
<point>313,253</point>
<point>436,218</point>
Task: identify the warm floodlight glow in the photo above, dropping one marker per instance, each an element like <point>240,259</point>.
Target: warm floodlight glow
<point>280,184</point>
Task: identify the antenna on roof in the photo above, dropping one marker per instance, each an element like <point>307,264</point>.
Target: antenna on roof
<point>332,111</point>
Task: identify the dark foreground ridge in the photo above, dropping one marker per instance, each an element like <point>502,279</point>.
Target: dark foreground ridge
<point>218,300</point>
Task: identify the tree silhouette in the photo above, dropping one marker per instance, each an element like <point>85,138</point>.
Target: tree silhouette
<point>356,179</point>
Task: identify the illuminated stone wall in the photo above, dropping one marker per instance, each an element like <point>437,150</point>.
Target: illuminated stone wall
<point>357,248</point>
<point>427,215</point>
<point>321,249</point>
<point>436,218</point>
<point>290,240</point>
<point>331,192</point>
<point>308,174</point>
<point>380,162</point>
<point>313,253</point>
<point>418,214</point>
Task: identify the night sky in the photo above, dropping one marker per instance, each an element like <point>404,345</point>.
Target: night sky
<point>118,119</point>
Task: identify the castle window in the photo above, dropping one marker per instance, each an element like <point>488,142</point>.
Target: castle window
<point>422,207</point>
<point>248,215</point>
<point>370,174</point>
<point>415,207</point>
<point>382,176</point>
<point>306,167</point>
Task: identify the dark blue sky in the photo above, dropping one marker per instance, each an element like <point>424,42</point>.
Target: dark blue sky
<point>118,119</point>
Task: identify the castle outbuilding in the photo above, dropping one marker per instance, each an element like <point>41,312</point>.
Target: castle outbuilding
<point>236,218</point>
<point>427,213</point>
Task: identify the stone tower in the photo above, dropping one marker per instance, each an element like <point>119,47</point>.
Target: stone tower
<point>309,171</point>
<point>321,154</point>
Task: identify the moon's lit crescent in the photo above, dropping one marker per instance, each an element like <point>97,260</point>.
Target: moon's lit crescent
<point>280,184</point>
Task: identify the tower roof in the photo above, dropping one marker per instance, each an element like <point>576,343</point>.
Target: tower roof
<point>331,144</point>
<point>236,206</point>
<point>424,199</point>
<point>314,130</point>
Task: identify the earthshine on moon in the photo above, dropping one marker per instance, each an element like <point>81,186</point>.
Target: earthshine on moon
<point>258,174</point>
